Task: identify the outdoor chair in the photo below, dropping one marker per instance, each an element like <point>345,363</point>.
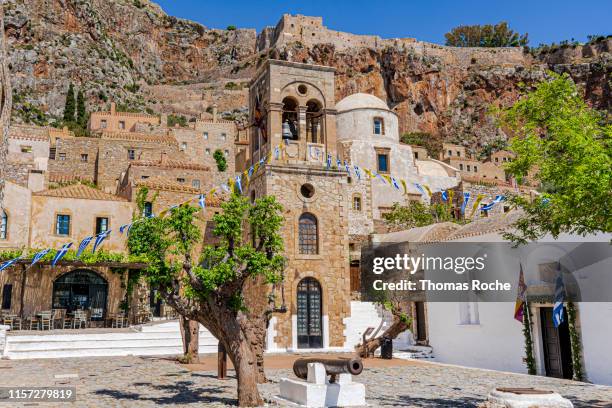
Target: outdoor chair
<point>58,317</point>
<point>80,319</point>
<point>119,320</point>
<point>32,322</point>
<point>13,321</point>
<point>46,320</point>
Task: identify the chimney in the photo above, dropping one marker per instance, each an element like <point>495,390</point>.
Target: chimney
<point>164,158</point>
<point>113,108</point>
<point>214,112</point>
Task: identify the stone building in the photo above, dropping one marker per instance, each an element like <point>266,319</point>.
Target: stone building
<point>114,121</point>
<point>472,168</point>
<point>314,199</point>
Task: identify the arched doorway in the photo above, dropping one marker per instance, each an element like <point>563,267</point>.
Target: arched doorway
<point>81,289</point>
<point>309,316</point>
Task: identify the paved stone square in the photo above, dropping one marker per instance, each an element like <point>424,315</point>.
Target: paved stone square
<point>147,382</point>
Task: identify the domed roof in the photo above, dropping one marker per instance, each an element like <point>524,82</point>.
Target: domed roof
<point>361,101</point>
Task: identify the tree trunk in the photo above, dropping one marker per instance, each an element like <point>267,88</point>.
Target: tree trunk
<point>190,334</point>
<point>398,326</point>
<point>245,363</point>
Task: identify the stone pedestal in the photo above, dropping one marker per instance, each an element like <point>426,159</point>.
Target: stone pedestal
<point>525,398</point>
<point>318,392</point>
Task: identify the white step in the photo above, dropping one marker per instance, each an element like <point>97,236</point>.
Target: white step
<point>107,352</point>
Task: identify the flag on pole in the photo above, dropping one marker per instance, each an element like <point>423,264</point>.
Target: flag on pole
<point>559,298</point>
<point>99,239</point>
<point>6,264</point>
<point>521,297</point>
<point>83,245</point>
<point>466,198</point>
<point>202,201</point>
<point>38,256</point>
<point>60,254</point>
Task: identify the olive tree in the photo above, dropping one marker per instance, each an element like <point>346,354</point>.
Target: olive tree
<point>224,286</point>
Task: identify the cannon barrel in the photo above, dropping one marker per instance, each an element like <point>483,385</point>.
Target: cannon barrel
<point>333,366</point>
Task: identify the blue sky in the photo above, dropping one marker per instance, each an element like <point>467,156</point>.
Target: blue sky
<point>546,21</point>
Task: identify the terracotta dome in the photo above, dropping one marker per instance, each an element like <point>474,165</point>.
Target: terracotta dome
<point>361,101</point>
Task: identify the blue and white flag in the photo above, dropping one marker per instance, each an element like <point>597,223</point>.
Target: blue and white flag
<point>545,201</point>
<point>83,245</point>
<point>276,155</point>
<point>202,201</point>
<point>394,182</point>
<point>6,264</point>
<point>329,160</point>
<point>286,141</point>
<point>348,169</point>
<point>378,176</point>
<point>418,186</point>
<point>498,198</point>
<point>99,239</point>
<point>559,298</point>
<point>466,198</point>
<point>239,183</point>
<point>251,169</point>
<point>445,196</point>
<point>225,188</point>
<point>123,228</point>
<point>262,161</point>
<point>357,172</point>
<point>60,254</point>
<point>338,163</point>
<point>39,255</point>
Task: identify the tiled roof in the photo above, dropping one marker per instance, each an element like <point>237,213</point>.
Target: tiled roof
<point>141,137</point>
<point>165,184</point>
<point>65,178</point>
<point>488,225</point>
<point>170,164</point>
<point>79,191</point>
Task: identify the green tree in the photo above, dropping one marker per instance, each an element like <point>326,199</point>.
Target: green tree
<point>417,214</point>
<point>498,35</point>
<point>225,288</point>
<point>69,108</point>
<point>81,112</point>
<point>220,159</point>
<point>567,147</point>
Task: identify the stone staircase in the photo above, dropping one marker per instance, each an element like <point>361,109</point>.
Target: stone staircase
<point>147,340</point>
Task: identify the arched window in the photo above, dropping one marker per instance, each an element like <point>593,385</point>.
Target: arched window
<point>308,235</point>
<point>290,119</point>
<point>314,121</point>
<point>3,225</point>
<point>379,126</point>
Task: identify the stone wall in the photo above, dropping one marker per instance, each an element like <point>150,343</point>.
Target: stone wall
<point>75,157</point>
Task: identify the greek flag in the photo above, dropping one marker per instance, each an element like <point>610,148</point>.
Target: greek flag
<point>559,297</point>
<point>348,169</point>
<point>123,228</point>
<point>276,155</point>
<point>498,198</point>
<point>251,169</point>
<point>6,264</point>
<point>357,172</point>
<point>394,182</point>
<point>262,161</point>
<point>99,239</point>
<point>38,256</point>
<point>202,201</point>
<point>445,196</point>
<point>60,254</point>
<point>83,245</point>
<point>418,186</point>
<point>338,163</point>
<point>329,160</point>
<point>239,183</point>
<point>466,198</point>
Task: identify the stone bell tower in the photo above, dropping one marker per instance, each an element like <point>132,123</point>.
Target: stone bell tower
<point>292,105</point>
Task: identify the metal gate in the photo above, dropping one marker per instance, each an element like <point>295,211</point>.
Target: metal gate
<point>309,316</point>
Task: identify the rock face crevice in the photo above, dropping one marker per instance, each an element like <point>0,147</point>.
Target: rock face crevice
<point>132,52</point>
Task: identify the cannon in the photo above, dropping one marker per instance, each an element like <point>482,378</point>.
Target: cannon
<point>333,366</point>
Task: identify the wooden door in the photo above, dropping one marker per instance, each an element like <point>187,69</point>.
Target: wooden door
<point>556,341</point>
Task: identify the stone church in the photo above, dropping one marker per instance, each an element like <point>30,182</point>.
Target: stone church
<point>326,208</point>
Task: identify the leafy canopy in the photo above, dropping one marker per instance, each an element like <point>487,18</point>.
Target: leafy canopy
<point>568,146</point>
<point>219,272</point>
<point>498,35</point>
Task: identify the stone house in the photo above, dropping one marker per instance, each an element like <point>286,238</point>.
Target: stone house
<point>114,121</point>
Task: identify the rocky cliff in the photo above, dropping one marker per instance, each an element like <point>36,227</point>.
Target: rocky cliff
<point>132,52</point>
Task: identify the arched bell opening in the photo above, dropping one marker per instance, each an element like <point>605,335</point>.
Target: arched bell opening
<point>290,119</point>
<point>314,121</point>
